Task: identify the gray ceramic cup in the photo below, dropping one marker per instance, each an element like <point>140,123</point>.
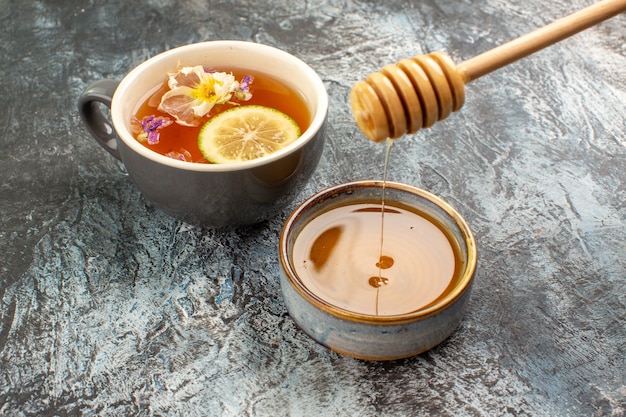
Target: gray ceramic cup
<point>374,337</point>
<point>240,193</point>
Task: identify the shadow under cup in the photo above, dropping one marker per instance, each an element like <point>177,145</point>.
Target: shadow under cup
<point>241,193</point>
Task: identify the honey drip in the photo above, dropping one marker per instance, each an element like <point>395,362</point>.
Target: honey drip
<point>384,262</point>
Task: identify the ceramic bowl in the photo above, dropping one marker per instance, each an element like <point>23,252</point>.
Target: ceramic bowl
<point>368,336</point>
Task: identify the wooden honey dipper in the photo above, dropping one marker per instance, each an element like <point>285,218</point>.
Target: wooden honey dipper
<point>416,92</point>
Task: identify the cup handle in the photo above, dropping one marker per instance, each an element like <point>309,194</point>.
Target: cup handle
<point>99,92</point>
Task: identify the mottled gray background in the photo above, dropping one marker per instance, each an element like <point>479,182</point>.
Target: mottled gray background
<point>109,307</point>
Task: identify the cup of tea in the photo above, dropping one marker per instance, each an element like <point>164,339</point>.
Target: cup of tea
<point>242,192</point>
<point>376,279</point>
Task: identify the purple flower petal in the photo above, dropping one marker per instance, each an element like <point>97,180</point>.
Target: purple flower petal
<point>151,124</point>
<point>243,90</point>
<point>153,138</point>
<point>245,83</point>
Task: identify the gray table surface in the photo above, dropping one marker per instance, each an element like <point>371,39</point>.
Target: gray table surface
<point>109,307</point>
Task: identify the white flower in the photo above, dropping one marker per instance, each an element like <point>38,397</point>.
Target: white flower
<point>194,92</point>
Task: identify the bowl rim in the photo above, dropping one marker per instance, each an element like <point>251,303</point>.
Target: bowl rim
<point>464,283</point>
<point>171,56</point>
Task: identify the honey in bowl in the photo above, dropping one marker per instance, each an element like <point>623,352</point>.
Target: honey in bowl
<point>181,142</point>
<point>338,257</point>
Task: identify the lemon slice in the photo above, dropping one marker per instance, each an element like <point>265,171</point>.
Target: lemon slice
<point>246,132</point>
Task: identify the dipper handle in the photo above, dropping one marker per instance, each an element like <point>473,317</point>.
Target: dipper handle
<point>415,93</point>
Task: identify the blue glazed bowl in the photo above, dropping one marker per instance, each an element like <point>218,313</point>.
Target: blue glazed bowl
<point>374,337</point>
